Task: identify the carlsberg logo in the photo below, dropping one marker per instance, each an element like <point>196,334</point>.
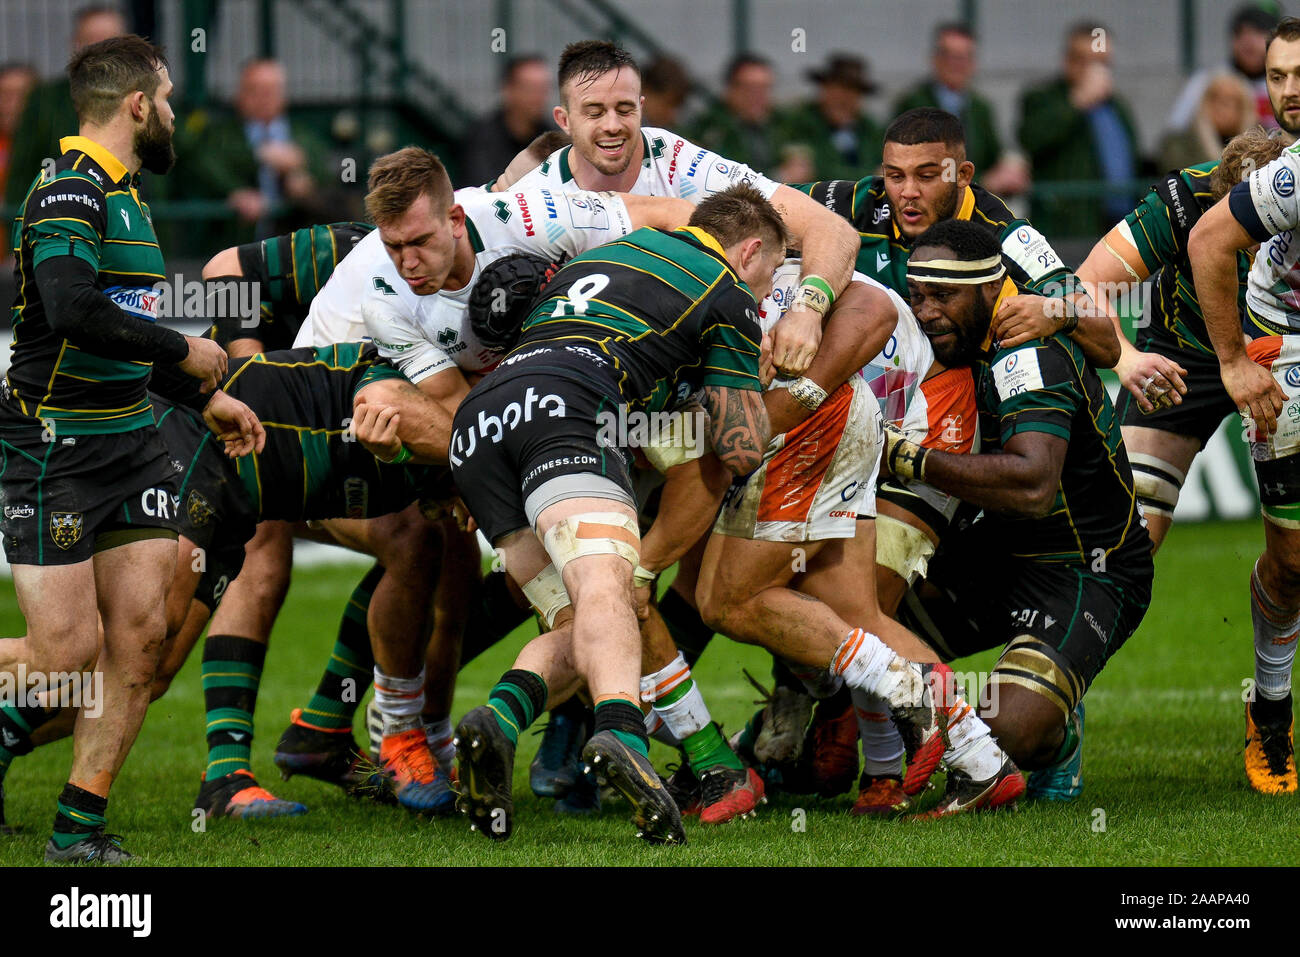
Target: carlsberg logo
<point>74,910</point>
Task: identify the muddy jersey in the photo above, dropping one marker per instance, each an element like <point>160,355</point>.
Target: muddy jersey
<point>367,298</point>
<point>672,166</point>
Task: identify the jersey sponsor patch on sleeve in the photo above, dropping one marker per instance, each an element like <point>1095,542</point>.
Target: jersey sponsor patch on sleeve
<point>1030,250</point>
<point>1017,373</point>
<point>1272,192</point>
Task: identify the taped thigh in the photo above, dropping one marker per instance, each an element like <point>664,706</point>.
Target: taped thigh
<point>1157,483</point>
<point>593,533</point>
<point>1035,666</point>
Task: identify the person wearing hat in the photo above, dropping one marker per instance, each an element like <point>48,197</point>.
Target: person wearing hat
<point>844,140</point>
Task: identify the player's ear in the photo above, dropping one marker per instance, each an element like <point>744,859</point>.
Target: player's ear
<point>562,119</point>
<point>965,173</point>
<point>137,104</point>
<point>456,216</point>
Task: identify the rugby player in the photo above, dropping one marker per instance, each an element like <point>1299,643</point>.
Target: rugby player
<point>816,489</point>
<point>1183,402</point>
<point>88,485</point>
<point>314,465</point>
<point>926,178</point>
<point>1261,377</point>
<point>600,108</point>
<point>1059,567</point>
<point>407,286</point>
<point>1282,74</point>
<point>632,328</point>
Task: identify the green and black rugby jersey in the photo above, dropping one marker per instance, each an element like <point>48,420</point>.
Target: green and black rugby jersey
<point>90,207</point>
<point>1031,262</point>
<point>1049,386</point>
<point>290,270</point>
<point>665,306</point>
<point>1159,228</point>
<point>310,468</point>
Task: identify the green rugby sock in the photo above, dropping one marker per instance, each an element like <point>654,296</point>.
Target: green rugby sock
<point>80,813</point>
<point>622,717</point>
<point>232,670</point>
<point>516,700</point>
<point>706,748</point>
<point>351,663</point>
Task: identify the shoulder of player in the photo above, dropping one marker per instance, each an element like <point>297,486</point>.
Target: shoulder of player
<point>1053,359</point>
<point>70,192</point>
<point>991,210</point>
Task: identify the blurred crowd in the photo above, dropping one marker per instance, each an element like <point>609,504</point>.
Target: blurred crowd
<point>1074,129</point>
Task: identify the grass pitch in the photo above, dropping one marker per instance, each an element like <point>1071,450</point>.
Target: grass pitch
<point>1162,762</point>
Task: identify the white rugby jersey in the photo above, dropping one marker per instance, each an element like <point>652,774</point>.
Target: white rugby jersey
<point>673,166</point>
<point>894,375</point>
<point>366,297</point>
<point>1267,206</point>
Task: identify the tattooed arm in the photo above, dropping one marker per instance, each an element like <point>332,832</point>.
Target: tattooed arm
<point>738,426</point>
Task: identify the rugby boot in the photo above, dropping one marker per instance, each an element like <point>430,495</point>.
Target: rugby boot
<point>726,793</point>
<point>556,768</point>
<point>327,755</point>
<point>630,773</point>
<point>419,783</point>
<point>1270,747</point>
<point>583,797</point>
<point>920,723</point>
<point>963,794</point>
<point>238,795</point>
<point>486,758</point>
<point>782,724</point>
<point>96,848</point>
<point>684,788</point>
<point>1064,781</point>
<point>880,796</point>
<point>832,742</point>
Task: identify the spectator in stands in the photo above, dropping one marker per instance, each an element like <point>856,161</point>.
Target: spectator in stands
<point>952,66</point>
<point>1227,108</point>
<point>1248,32</point>
<point>16,81</point>
<point>258,160</point>
<point>524,115</point>
<point>844,140</point>
<point>665,84</point>
<point>739,126</point>
<point>48,115</point>
<point>1074,129</point>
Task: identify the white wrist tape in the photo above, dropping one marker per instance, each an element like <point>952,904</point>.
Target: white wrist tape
<point>807,393</point>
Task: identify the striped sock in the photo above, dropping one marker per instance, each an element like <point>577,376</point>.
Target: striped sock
<point>16,726</point>
<point>517,699</point>
<point>1276,629</point>
<point>400,701</point>
<point>232,669</point>
<point>624,719</point>
<point>80,813</point>
<point>343,685</point>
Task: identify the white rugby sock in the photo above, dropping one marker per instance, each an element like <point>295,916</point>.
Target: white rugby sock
<point>865,662</point>
<point>1276,629</point>
<point>882,745</point>
<point>972,748</point>
<point>439,735</point>
<point>400,701</point>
